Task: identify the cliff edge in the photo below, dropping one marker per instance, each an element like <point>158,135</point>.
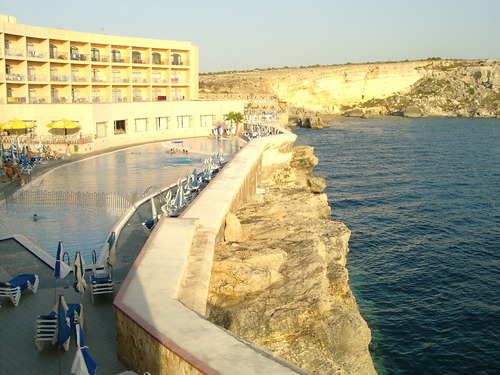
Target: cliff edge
<point>279,278</point>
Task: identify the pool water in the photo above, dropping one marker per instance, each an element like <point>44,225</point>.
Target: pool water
<point>130,172</point>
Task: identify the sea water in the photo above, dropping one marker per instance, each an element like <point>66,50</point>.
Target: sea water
<point>422,199</point>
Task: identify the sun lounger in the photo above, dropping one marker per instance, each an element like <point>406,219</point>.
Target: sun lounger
<point>46,325</point>
<point>101,282</point>
<point>13,288</point>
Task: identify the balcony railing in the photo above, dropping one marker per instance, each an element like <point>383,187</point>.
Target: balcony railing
<point>36,100</point>
<point>99,58</point>
<point>36,54</point>
<point>79,57</point>
<point>59,56</point>
<point>159,80</point>
<point>139,80</point>
<point>37,77</point>
<point>159,98</point>
<point>14,77</point>
<point>121,60</point>
<point>16,99</point>
<point>79,79</point>
<point>57,78</point>
<point>140,61</point>
<point>121,80</point>
<point>14,52</point>
<point>99,79</point>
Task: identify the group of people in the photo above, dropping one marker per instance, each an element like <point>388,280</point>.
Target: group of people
<point>174,150</point>
<point>12,172</point>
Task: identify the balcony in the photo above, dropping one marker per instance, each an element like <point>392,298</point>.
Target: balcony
<point>121,60</point>
<point>100,79</point>
<point>81,100</point>
<point>14,77</point>
<point>140,61</point>
<point>139,80</point>
<point>39,100</point>
<point>159,80</point>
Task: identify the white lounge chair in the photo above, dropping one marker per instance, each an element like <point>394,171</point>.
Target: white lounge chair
<point>101,281</point>
<point>13,288</point>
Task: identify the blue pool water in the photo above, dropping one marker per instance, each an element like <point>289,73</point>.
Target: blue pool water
<point>132,170</point>
<point>422,199</point>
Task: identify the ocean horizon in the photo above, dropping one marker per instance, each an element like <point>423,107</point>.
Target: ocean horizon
<point>422,198</point>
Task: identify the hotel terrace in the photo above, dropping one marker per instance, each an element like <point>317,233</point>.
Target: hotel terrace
<point>118,90</point>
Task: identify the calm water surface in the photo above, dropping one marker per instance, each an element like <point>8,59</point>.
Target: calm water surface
<point>422,199</point>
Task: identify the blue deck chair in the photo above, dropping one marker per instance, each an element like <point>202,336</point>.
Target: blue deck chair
<point>46,325</point>
<point>13,288</point>
<point>101,278</point>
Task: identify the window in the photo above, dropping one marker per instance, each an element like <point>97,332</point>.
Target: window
<point>176,59</point>
<point>162,123</point>
<point>31,49</point>
<point>75,94</point>
<point>101,129</point>
<point>177,94</point>
<point>183,122</point>
<point>32,95</point>
<point>141,125</point>
<point>207,121</point>
<point>53,51</point>
<point>95,54</point>
<point>156,76</point>
<point>75,74</point>
<point>156,58</point>
<point>117,95</point>
<point>136,76</point>
<point>96,95</point>
<point>137,92</point>
<point>136,57</point>
<point>74,53</point>
<point>116,56</point>
<point>116,75</point>
<point>176,77</point>
<point>156,93</point>
<point>8,69</point>
<point>54,93</point>
<point>120,126</point>
<point>31,73</point>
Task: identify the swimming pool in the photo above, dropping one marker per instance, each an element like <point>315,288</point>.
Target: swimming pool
<point>129,172</point>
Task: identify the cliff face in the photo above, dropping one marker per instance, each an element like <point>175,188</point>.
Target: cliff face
<point>279,278</point>
<point>413,88</point>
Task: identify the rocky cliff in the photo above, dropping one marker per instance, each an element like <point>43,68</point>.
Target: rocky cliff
<point>279,278</point>
<point>414,88</point>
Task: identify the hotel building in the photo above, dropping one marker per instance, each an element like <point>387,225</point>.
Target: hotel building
<point>119,90</point>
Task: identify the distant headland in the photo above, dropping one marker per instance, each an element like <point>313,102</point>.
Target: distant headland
<point>426,88</point>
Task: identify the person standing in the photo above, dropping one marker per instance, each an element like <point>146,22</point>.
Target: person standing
<point>68,151</point>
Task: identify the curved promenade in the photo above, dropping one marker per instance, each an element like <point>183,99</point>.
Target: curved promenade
<point>160,307</point>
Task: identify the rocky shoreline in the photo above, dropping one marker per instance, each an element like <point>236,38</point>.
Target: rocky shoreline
<point>279,278</point>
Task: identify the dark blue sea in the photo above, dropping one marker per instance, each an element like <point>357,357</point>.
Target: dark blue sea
<point>422,199</point>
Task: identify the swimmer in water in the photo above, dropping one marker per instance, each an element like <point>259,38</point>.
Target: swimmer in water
<point>35,217</point>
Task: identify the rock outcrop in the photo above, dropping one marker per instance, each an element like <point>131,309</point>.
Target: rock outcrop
<point>280,280</point>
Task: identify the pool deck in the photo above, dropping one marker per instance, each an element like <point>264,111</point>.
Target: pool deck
<point>18,352</point>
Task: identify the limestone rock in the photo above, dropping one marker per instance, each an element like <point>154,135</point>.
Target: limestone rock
<point>286,288</point>
<point>412,111</point>
<point>317,184</point>
<point>233,230</point>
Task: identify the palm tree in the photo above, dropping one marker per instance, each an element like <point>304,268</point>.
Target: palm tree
<point>236,117</point>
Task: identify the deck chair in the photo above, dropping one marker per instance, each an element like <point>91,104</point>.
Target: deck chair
<point>13,288</point>
<point>46,325</point>
<point>101,281</point>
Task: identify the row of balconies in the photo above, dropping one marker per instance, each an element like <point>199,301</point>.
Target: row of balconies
<point>88,99</point>
<point>66,78</point>
<point>10,52</point>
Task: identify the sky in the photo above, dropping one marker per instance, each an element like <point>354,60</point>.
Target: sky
<point>261,34</point>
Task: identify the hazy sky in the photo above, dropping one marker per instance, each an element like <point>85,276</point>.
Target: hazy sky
<point>240,35</point>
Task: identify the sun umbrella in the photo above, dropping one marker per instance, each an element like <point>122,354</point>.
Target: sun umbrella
<point>63,328</point>
<point>79,270</point>
<point>112,249</point>
<point>15,124</point>
<point>83,364</point>
<point>63,124</point>
<point>179,200</point>
<point>61,269</point>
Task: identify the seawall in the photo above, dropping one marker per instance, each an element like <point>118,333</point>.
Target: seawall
<point>161,308</point>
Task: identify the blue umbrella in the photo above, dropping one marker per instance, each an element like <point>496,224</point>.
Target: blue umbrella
<point>63,328</point>
<point>83,364</point>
